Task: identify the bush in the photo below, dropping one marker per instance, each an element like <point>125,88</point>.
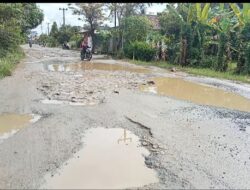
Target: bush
<point>209,62</point>
<point>140,50</point>
<point>52,42</point>
<point>8,62</point>
<point>8,42</point>
<point>102,41</point>
<point>63,36</point>
<point>5,68</point>
<point>120,54</point>
<point>76,41</point>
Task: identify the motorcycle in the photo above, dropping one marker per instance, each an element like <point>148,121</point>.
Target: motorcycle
<point>87,55</point>
<point>65,46</point>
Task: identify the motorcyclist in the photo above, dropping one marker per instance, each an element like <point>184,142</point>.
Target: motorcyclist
<point>84,47</point>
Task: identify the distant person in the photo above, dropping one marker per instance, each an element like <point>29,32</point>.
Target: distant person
<point>30,43</point>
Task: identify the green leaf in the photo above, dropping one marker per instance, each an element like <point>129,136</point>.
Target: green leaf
<point>238,13</point>
<point>198,11</point>
<point>246,12</point>
<point>205,11</point>
<point>221,6</point>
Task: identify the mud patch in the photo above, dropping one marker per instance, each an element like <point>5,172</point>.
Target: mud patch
<point>111,159</point>
<point>94,66</point>
<point>11,123</point>
<point>196,93</point>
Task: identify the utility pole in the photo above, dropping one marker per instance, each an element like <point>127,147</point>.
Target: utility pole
<point>41,28</point>
<point>115,15</point>
<point>63,9</point>
<point>48,28</point>
<point>115,48</point>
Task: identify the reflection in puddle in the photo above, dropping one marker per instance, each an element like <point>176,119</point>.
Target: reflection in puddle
<point>94,66</point>
<point>110,158</point>
<point>11,123</point>
<point>200,94</point>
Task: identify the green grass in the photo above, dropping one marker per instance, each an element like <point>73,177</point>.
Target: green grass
<point>8,63</point>
<point>230,75</point>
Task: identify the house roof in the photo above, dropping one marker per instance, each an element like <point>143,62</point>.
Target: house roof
<point>155,21</point>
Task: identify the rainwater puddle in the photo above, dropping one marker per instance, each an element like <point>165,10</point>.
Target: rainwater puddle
<point>110,159</point>
<point>11,123</point>
<point>94,66</point>
<point>196,93</point>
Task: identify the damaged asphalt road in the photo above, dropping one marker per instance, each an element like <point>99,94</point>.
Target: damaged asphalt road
<point>190,145</point>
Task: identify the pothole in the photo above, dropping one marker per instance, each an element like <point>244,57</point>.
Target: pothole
<point>196,93</point>
<point>12,123</point>
<point>93,66</point>
<point>111,159</point>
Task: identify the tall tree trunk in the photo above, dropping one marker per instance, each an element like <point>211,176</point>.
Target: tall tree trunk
<point>115,37</point>
<point>222,61</point>
<point>241,57</point>
<point>92,33</point>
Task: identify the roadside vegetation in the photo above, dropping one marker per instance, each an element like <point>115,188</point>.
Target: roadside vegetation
<point>229,74</point>
<point>58,36</point>
<point>16,21</point>
<point>211,39</point>
<point>9,61</point>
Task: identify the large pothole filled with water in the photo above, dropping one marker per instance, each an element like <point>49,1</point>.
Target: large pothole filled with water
<point>111,159</point>
<point>200,94</point>
<point>11,123</point>
<point>83,66</point>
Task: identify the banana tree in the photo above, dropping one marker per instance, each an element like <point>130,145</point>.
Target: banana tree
<point>243,16</point>
<point>194,19</point>
<point>224,22</point>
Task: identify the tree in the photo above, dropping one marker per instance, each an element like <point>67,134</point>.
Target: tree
<point>136,28</point>
<point>31,16</point>
<point>119,11</point>
<point>93,15</point>
<point>64,34</point>
<point>16,19</point>
<point>243,25</point>
<point>54,30</point>
<point>170,24</point>
<point>43,38</point>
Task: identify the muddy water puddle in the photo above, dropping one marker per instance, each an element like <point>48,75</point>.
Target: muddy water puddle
<point>110,159</point>
<point>201,94</point>
<point>94,66</point>
<point>11,123</point>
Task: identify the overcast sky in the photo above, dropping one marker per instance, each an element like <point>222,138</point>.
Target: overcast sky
<point>52,13</point>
